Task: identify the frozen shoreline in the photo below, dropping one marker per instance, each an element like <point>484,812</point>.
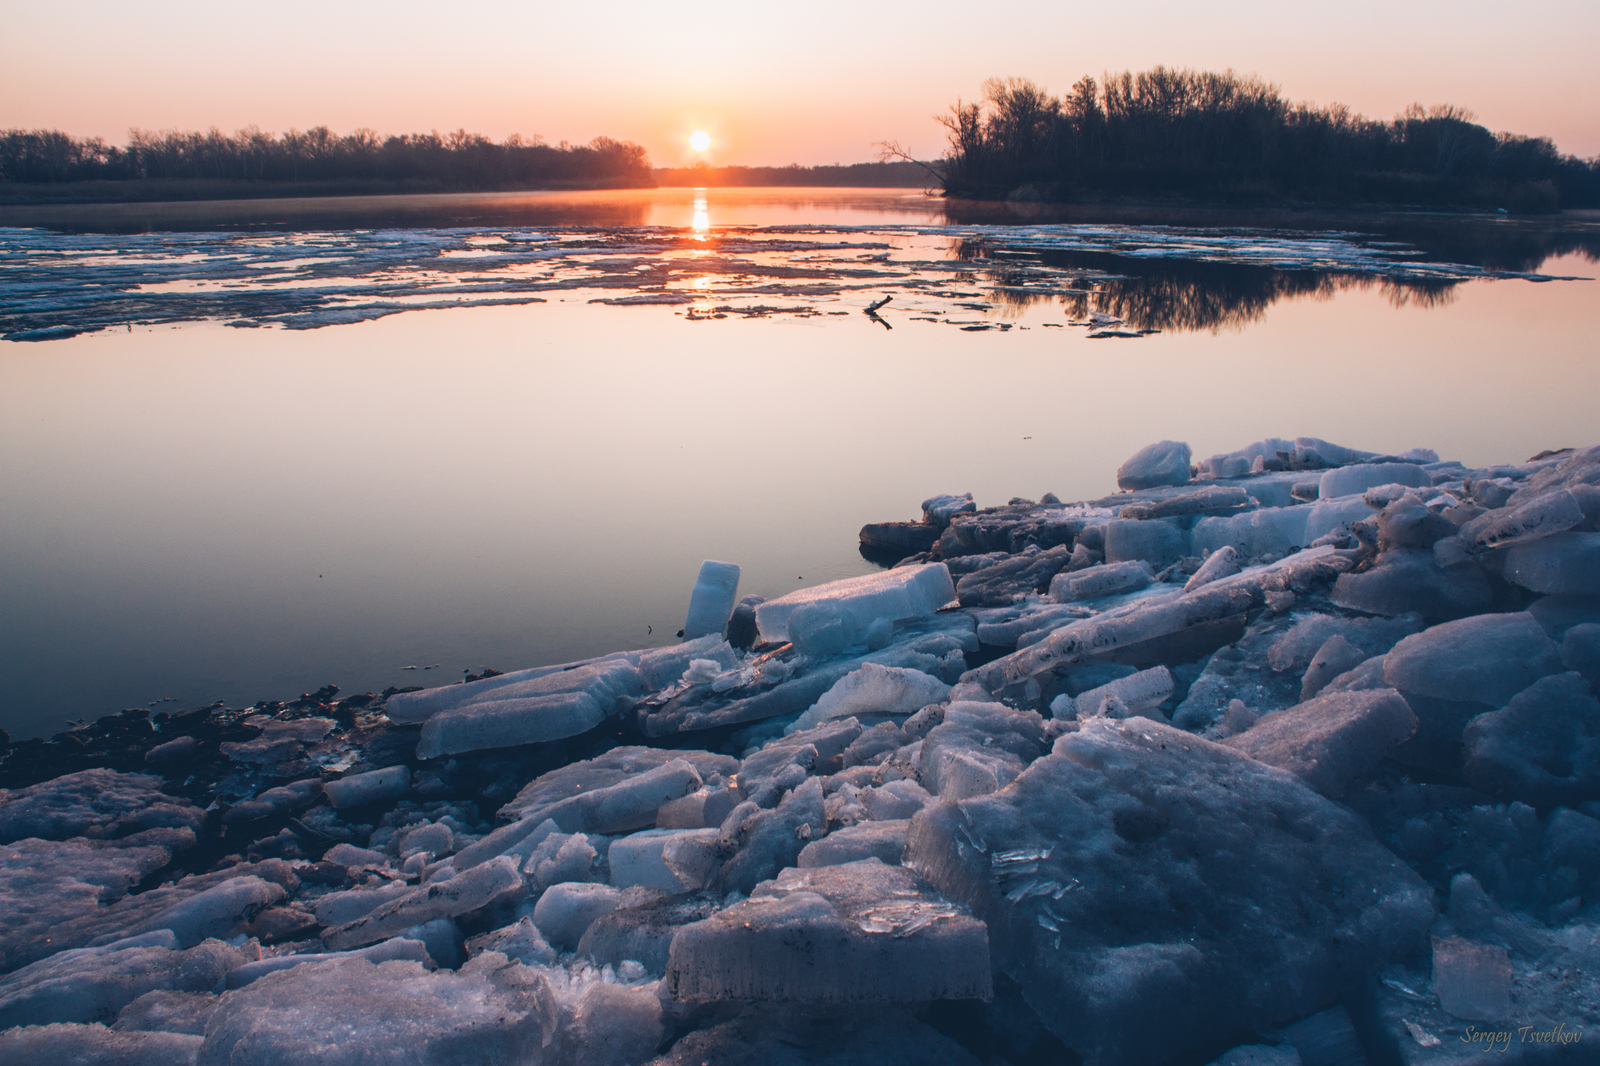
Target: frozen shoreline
<point>1298,742</point>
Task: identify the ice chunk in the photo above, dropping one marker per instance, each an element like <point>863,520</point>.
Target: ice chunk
<point>1214,499</point>
<point>65,1044</point>
<point>711,602</point>
<point>384,951</point>
<point>1409,579</point>
<point>894,800</point>
<point>348,1011</point>
<point>1329,517</point>
<point>1580,651</point>
<point>466,891</point>
<point>1141,693</point>
<point>374,786</point>
<point>93,984</point>
<point>1560,564</point>
<point>1012,579</point>
<point>1354,480</point>
<point>1272,530</point>
<point>564,911</point>
<point>1473,980</point>
<point>613,1025</point>
<point>558,857</point>
<point>762,842</point>
<point>703,808</point>
<point>986,736</point>
<point>938,510</point>
<point>1171,628</point>
<point>873,689</point>
<point>279,741</point>
<point>857,602</point>
<point>1158,541</point>
<point>1336,656</point>
<point>617,766</point>
<point>1296,649</point>
<point>351,856</point>
<point>642,932</point>
<point>520,942</point>
<point>1332,740</point>
<point>1075,866</point>
<point>1162,463</point>
<point>1223,562</point>
<point>1485,659</point>
<point>673,860</point>
<point>857,932</point>
<point>217,911</point>
<point>1553,512</point>
<point>590,798</point>
<point>161,1011</point>
<point>337,908</point>
<point>1542,748</point>
<point>1111,579</point>
<point>548,706</point>
<point>92,802</point>
<point>526,720</point>
<point>46,883</point>
<point>882,840</point>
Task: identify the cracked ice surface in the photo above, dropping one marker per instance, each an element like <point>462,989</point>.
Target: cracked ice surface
<point>67,283</point>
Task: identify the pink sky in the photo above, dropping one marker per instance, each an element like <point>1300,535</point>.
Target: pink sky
<point>773,83</point>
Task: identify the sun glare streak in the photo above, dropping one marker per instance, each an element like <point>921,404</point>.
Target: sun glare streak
<point>699,140</point>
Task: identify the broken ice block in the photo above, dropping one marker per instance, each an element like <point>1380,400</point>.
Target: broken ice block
<point>391,782</point>
<point>673,860</point>
<point>1561,564</point>
<point>853,933</point>
<point>466,891</point>
<point>565,911</point>
<point>1158,541</point>
<point>1331,740</point>
<point>712,600</point>
<point>1270,530</point>
<point>1110,579</point>
<point>1165,462</point>
<point>938,510</point>
<point>884,841</point>
<point>857,602</point>
<point>1353,480</point>
<point>874,689</point>
<point>1140,693</point>
<point>1473,980</point>
<point>1224,562</point>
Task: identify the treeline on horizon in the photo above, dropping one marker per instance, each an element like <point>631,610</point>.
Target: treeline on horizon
<point>458,160</point>
<point>1196,134</point>
<point>887,175</point>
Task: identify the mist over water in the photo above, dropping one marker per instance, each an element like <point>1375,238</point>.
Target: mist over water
<point>201,512</point>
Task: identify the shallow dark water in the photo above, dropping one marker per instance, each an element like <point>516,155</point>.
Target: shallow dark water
<point>201,512</point>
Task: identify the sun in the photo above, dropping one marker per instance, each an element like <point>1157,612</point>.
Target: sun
<point>699,140</point>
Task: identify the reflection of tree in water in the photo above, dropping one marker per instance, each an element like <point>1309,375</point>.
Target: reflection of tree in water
<point>1176,295</point>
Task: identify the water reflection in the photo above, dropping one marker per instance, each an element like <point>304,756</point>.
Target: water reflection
<point>1184,296</point>
<point>701,225</point>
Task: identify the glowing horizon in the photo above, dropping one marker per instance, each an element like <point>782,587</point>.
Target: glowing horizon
<point>784,86</point>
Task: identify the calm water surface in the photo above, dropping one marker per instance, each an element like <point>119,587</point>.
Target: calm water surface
<point>198,512</point>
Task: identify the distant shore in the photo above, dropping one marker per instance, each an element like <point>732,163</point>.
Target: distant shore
<point>21,194</point>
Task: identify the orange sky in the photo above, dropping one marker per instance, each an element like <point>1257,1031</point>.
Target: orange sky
<point>773,83</point>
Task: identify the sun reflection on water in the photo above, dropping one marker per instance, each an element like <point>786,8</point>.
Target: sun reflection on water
<point>702,218</point>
